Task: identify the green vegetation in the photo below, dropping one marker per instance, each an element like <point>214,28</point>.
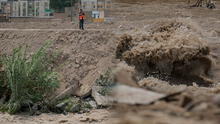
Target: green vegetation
<point>72,104</point>
<point>25,80</point>
<point>106,82</point>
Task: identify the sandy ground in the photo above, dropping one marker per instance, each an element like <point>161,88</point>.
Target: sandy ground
<point>95,116</point>
<point>85,54</point>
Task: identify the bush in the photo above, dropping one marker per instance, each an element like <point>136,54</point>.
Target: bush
<point>28,80</point>
<point>106,82</point>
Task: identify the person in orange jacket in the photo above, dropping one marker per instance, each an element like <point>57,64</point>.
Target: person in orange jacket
<point>81,19</point>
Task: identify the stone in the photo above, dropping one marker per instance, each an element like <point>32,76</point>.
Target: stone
<point>132,95</point>
<point>61,105</point>
<point>126,95</point>
<point>216,100</point>
<point>93,104</point>
<point>201,107</point>
<point>75,108</point>
<point>63,121</point>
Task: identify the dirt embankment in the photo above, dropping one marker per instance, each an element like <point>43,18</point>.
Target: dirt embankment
<point>143,1</point>
<point>172,48</point>
<point>76,54</point>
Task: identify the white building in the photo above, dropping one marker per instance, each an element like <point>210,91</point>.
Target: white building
<point>28,8</point>
<point>2,5</point>
<point>96,9</point>
<point>92,5</point>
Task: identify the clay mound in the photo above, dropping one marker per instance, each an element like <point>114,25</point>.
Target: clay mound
<point>171,47</point>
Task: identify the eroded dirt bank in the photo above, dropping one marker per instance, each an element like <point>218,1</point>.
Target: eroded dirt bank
<point>83,55</point>
<point>75,53</point>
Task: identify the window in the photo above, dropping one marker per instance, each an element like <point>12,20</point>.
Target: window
<point>30,9</point>
<point>108,4</point>
<point>93,5</point>
<point>46,7</point>
<point>37,8</point>
<point>84,5</point>
<point>24,8</point>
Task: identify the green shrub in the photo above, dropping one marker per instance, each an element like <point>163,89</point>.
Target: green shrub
<point>28,79</point>
<point>106,82</point>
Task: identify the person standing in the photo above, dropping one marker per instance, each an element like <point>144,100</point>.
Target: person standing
<point>81,19</point>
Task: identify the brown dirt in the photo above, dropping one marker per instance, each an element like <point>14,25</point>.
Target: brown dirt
<point>86,53</point>
<point>171,47</point>
<point>79,52</point>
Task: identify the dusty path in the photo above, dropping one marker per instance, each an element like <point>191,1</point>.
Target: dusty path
<point>15,29</point>
<point>95,116</point>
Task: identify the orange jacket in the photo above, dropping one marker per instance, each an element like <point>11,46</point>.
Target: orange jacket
<point>81,16</point>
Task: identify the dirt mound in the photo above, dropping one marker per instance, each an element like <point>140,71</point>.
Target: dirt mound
<point>78,54</point>
<point>170,47</point>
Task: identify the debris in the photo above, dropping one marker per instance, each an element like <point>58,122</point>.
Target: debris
<point>63,121</point>
<point>91,77</point>
<point>93,104</point>
<point>131,95</point>
<point>216,100</point>
<point>171,48</point>
<point>100,99</point>
<point>61,106</point>
<point>75,108</point>
<point>161,86</point>
<point>125,74</point>
<point>127,95</point>
<point>208,3</point>
<point>201,107</point>
<point>185,100</point>
<point>90,120</point>
<point>75,105</point>
<point>165,106</point>
<point>66,93</point>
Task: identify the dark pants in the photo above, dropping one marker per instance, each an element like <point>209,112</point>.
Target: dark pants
<point>81,24</point>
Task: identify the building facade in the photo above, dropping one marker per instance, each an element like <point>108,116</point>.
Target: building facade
<point>96,9</point>
<point>28,8</point>
<point>95,5</point>
<point>3,5</point>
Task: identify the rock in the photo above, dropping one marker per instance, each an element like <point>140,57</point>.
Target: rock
<point>185,100</point>
<point>84,119</point>
<point>63,121</point>
<point>60,108</point>
<point>161,86</point>
<point>216,100</point>
<point>100,99</point>
<point>61,105</point>
<point>75,105</point>
<point>75,108</point>
<point>131,95</point>
<point>201,107</point>
<point>68,92</point>
<point>93,104</point>
<point>90,120</point>
<point>120,26</point>
<point>88,82</point>
<point>126,95</point>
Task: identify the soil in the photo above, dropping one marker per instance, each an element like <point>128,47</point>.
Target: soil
<point>83,55</point>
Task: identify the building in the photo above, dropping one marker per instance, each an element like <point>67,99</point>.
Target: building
<point>92,5</point>
<point>97,9</point>
<point>3,5</point>
<point>28,8</point>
